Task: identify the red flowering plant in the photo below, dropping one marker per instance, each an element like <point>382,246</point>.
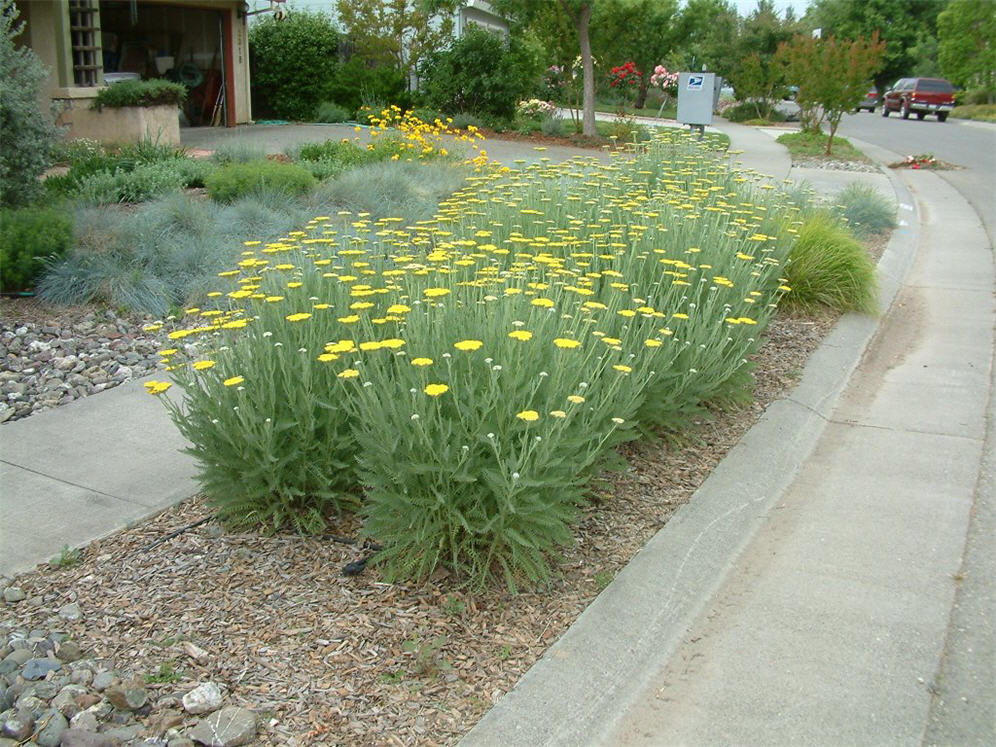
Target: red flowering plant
<point>625,76</point>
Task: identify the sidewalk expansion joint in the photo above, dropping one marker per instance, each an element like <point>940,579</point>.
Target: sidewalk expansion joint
<point>911,431</point>
<point>69,483</point>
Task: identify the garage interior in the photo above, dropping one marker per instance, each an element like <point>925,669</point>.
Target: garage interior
<point>177,42</point>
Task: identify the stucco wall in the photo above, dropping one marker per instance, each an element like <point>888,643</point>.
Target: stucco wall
<point>129,124</point>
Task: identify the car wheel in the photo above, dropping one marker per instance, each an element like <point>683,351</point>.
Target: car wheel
<point>921,115</point>
<point>872,110</point>
<point>906,110</point>
<point>942,116</point>
<point>885,110</point>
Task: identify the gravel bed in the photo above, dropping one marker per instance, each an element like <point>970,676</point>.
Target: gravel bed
<point>833,164</point>
<point>308,655</point>
<point>50,356</point>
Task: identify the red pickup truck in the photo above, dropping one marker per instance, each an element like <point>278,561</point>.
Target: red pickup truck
<point>921,96</point>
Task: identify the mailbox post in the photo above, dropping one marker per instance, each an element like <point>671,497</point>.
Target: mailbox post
<point>696,98</point>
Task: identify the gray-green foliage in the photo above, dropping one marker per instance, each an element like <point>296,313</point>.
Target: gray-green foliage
<point>168,251</point>
<point>866,210</point>
<point>404,189</point>
<point>27,135</point>
<point>163,253</point>
<point>143,182</point>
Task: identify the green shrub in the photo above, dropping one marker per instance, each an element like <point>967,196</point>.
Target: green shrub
<point>428,115</point>
<point>746,111</point>
<point>237,179</point>
<point>294,63</point>
<point>356,84</point>
<point>104,176</point>
<point>866,210</point>
<point>27,135</point>
<point>464,120</point>
<point>329,111</point>
<point>143,182</point>
<point>828,267</point>
<point>140,93</point>
<point>29,238</point>
<point>482,73</point>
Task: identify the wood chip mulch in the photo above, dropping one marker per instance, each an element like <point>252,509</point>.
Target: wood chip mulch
<point>327,659</point>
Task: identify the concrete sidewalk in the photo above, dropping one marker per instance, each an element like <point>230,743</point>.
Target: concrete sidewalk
<point>832,581</point>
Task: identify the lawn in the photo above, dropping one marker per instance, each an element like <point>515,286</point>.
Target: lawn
<point>809,145</point>
<point>981,112</point>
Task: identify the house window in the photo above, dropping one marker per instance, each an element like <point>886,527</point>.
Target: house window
<point>84,29</point>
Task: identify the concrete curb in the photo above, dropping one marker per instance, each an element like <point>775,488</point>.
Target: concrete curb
<point>589,678</point>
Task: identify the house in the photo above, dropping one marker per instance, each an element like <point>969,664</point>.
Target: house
<point>479,13</point>
<point>87,44</point>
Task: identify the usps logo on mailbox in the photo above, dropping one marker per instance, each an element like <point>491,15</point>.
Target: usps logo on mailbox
<point>695,82</point>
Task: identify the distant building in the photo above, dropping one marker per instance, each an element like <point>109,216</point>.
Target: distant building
<point>478,13</point>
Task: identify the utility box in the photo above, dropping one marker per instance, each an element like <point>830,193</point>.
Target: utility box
<point>696,98</point>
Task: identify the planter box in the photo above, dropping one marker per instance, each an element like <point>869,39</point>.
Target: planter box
<point>129,124</point>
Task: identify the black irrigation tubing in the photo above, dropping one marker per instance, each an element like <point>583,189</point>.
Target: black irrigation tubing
<point>354,568</point>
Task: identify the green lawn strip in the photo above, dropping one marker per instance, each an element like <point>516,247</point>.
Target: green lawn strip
<point>809,145</point>
<point>980,112</point>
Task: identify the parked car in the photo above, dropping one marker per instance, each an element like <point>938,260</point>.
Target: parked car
<point>921,96</point>
<point>869,102</point>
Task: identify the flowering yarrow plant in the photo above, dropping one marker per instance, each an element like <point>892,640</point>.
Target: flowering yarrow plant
<point>461,380</point>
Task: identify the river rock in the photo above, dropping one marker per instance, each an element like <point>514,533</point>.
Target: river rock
<point>128,697</point>
<point>204,698</point>
<point>229,727</point>
<point>82,738</point>
<point>36,669</point>
<point>53,724</point>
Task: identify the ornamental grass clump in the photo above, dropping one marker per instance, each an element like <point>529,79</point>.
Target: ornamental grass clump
<point>828,267</point>
<point>462,378</point>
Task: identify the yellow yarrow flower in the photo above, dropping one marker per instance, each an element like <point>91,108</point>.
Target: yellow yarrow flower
<point>349,373</point>
<point>468,345</point>
<point>421,361</point>
<point>434,390</point>
<point>298,317</point>
<point>566,343</point>
<point>576,399</point>
<point>203,365</point>
<point>233,381</point>
<point>545,303</point>
<point>156,387</point>
<point>435,292</point>
<point>328,357</point>
<point>528,415</point>
<point>623,368</point>
<point>558,413</point>
<point>521,334</point>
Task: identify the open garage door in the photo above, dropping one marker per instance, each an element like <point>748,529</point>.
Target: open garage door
<point>180,42</point>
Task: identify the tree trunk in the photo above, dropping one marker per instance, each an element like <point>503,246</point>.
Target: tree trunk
<point>581,21</point>
<point>641,94</point>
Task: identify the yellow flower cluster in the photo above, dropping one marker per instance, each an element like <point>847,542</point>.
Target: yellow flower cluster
<point>654,261</point>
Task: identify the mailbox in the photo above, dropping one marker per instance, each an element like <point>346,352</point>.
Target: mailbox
<point>696,98</point>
